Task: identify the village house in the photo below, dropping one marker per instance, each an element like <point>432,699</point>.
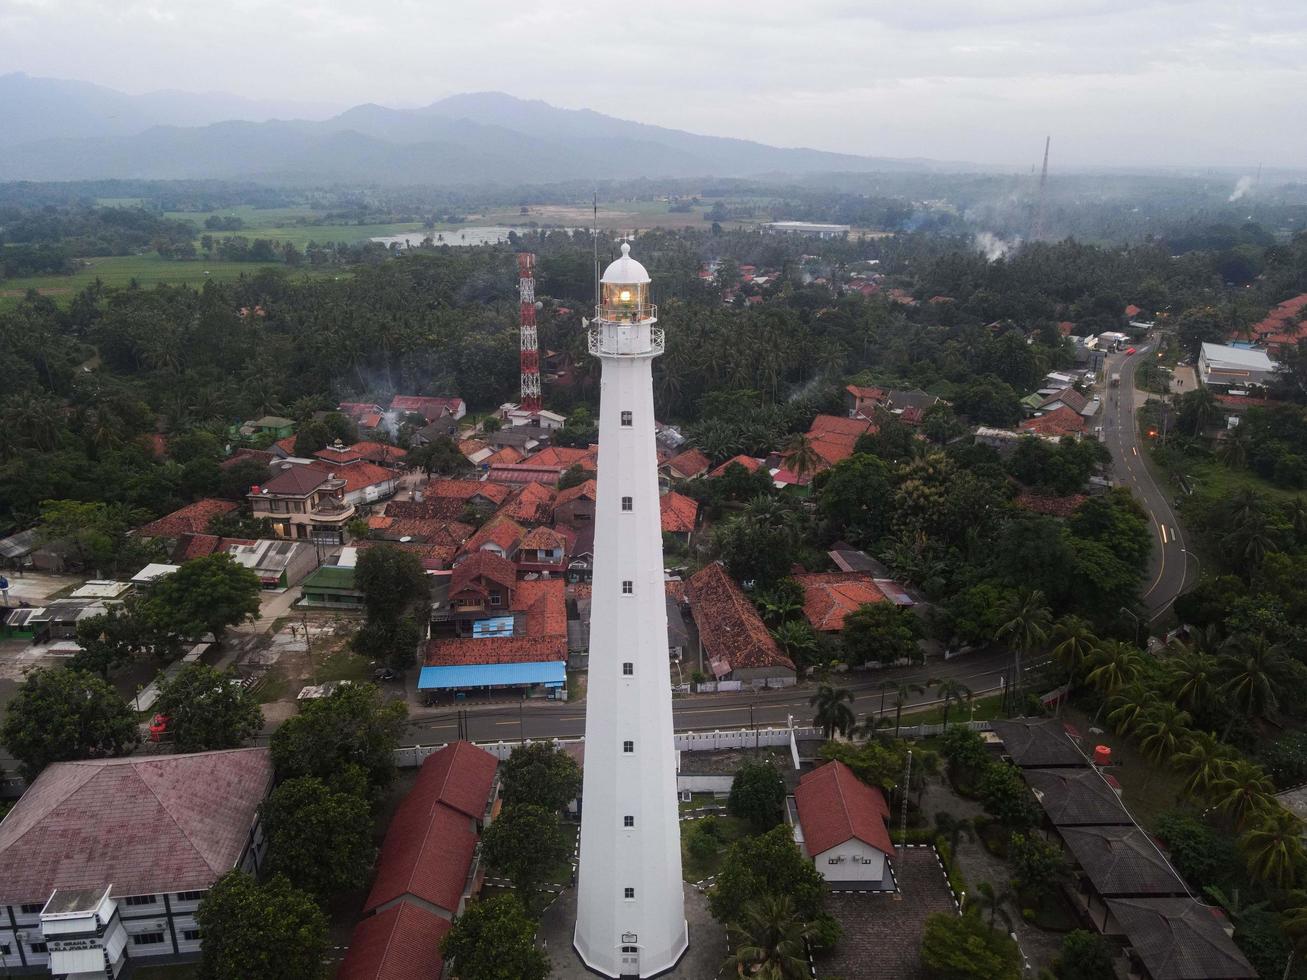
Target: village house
<point>839,824</point>
<point>304,502</point>
<point>268,427</point>
<point>863,401</point>
<point>533,505</point>
<point>367,416</point>
<point>749,463</point>
<point>576,505</point>
<point>481,588</point>
<point>1060,422</point>
<point>431,408</point>
<point>688,465</point>
<point>194,518</point>
<point>544,550</point>
<point>331,587</point>
<point>680,515</point>
<point>379,453</point>
<point>87,888</point>
<point>737,645</point>
<point>829,597</point>
<point>501,536</point>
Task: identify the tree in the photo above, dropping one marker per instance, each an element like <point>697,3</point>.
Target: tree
<point>111,640</point>
<point>994,901</point>
<point>769,941</point>
<point>1116,664</point>
<point>1243,792</point>
<point>393,642</point>
<point>1026,627</point>
<point>320,834</point>
<point>494,939</point>
<point>574,476</point>
<point>391,580</point>
<point>1036,863</point>
<point>1006,797</point>
<point>205,595</point>
<point>540,773</point>
<point>833,714</point>
<point>769,864</point>
<point>273,930</point>
<point>801,458</point>
<point>208,709</point>
<point>853,497</point>
<point>950,691</point>
<point>1165,728</point>
<point>797,640</point>
<point>757,795</point>
<point>525,843</point>
<point>1193,680</point>
<point>353,726</point>
<point>1202,758</point>
<point>1274,848</point>
<point>1251,674</point>
<point>60,714</point>
<point>1075,643</point>
<point>1084,956</point>
<point>880,632</point>
<point>754,551</point>
<point>964,948</point>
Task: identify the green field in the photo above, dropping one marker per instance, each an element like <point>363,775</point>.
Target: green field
<point>147,270</point>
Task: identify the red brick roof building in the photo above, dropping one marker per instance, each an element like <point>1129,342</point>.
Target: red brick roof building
<point>539,608</point>
<point>565,457</point>
<point>501,535</point>
<point>829,597</point>
<point>191,519</point>
<point>836,806</point>
<point>680,514</point>
<point>430,408</point>
<point>1062,421</point>
<point>748,462</point>
<point>401,943</point>
<point>533,505</point>
<point>738,643</point>
<point>688,465</point>
<point>372,452</point>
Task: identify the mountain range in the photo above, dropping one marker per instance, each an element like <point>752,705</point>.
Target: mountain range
<point>53,129</point>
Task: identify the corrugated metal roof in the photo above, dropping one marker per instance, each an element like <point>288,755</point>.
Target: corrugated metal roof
<point>550,673</point>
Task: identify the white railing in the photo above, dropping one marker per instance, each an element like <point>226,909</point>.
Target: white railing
<point>599,348</point>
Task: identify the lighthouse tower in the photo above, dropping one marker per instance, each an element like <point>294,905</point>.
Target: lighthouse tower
<point>630,916</point>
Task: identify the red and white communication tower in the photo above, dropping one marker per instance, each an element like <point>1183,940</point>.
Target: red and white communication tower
<point>526,284</point>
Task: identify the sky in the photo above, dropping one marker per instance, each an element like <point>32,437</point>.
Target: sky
<point>1115,82</point>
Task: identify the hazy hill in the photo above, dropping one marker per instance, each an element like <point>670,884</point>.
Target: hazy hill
<point>61,130</point>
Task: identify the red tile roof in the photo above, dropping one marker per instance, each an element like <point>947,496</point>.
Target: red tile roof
<point>690,463</point>
<point>286,445</point>
<point>1063,421</point>
<point>836,806</point>
<point>1132,310</point>
<point>829,597</point>
<point>482,565</point>
<point>1065,328</point>
<point>465,490</point>
<point>526,472</point>
<point>532,506</point>
<point>259,455</point>
<point>506,456</point>
<point>401,943</point>
<point>198,545</point>
<point>589,489</point>
<point>873,394</point>
<point>373,452</point>
<point>546,538</point>
<point>142,823</point>
<point>542,604</point>
<point>430,408</point>
<point>679,512</point>
<point>459,776</point>
<point>191,519</point>
<point>748,462</point>
<point>357,476</point>
<point>565,457</point>
<point>430,508</point>
<point>296,480</point>
<point>732,632</point>
<point>427,853</point>
<point>502,531</point>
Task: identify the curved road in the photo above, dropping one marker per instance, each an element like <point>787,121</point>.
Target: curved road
<point>1170,572</point>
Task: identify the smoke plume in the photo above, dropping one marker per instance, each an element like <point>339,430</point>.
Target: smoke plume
<point>1242,188</point>
<point>993,246</point>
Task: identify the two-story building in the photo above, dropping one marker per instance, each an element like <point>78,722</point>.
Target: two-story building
<point>304,502</point>
<point>104,862</point>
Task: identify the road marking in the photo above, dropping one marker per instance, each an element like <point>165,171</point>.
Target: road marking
<point>1136,449</point>
<point>1162,529</point>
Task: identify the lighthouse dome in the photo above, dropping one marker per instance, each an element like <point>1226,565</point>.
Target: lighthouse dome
<point>625,270</point>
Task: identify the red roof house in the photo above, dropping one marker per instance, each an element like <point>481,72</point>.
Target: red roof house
<point>738,643</point>
<point>401,943</point>
<point>427,855</point>
<point>1062,421</point>
<point>430,408</point>
<point>502,535</point>
<point>842,821</point>
<point>829,597</point>
<point>688,465</point>
<point>191,519</point>
<point>748,462</point>
<point>680,514</point>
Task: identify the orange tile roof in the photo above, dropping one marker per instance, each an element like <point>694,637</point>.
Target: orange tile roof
<point>502,531</point>
<point>565,457</point>
<point>1062,421</point>
<point>286,445</point>
<point>543,603</point>
<point>532,506</point>
<point>427,853</point>
<point>504,457</point>
<point>748,462</point>
<point>465,490</point>
<point>400,943</point>
<point>545,538</point>
<point>829,597</point>
<point>358,475</point>
<point>588,489</point>
<point>690,463</point>
<point>192,519</point>
<point>679,512</point>
<point>836,806</point>
<point>482,565</point>
<point>375,452</point>
<point>732,631</point>
<point>379,522</point>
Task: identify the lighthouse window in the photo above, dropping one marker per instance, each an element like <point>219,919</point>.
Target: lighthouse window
<point>628,821</point>
<point>630,949</point>
<point>628,587</point>
<point>628,503</point>
<point>630,893</point>
<point>628,669</point>
<point>628,747</point>
<point>626,419</point>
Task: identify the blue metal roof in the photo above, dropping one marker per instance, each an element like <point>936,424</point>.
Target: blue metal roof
<point>550,673</point>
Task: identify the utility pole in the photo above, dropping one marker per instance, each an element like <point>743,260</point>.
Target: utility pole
<point>907,782</point>
<point>1037,228</point>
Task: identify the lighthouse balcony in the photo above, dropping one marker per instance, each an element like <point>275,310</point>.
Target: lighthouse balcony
<point>626,340</point>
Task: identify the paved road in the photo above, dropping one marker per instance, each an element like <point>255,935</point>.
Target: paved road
<point>1171,569</point>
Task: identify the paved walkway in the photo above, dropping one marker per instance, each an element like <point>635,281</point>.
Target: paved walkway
<point>702,960</point>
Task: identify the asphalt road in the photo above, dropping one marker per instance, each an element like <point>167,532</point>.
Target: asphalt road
<point>1171,569</point>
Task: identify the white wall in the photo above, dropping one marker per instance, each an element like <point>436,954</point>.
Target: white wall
<point>851,861</point>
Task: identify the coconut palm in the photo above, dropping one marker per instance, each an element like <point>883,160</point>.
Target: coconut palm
<point>800,456</point>
<point>833,711</point>
<point>769,941</point>
<point>1242,792</point>
<point>1233,447</point>
<point>1162,732</point>
<point>1075,643</point>
<point>1116,664</point>
<point>1026,627</point>
<point>1203,758</point>
<point>950,691</point>
<point>1129,707</point>
<point>1251,672</point>
<point>987,899</point>
<point>797,639</point>
<point>1193,679</point>
<point>953,829</point>
<point>1273,847</point>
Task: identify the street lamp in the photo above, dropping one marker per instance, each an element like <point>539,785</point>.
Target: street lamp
<point>1137,623</point>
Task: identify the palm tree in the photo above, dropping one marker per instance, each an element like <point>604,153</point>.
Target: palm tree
<point>769,941</point>
<point>1075,643</point>
<point>1027,626</point>
<point>800,456</point>
<point>1234,908</point>
<point>1273,847</point>
<point>1242,792</point>
<point>1232,449</point>
<point>987,898</point>
<point>1203,758</point>
<point>901,694</point>
<point>1251,674</point>
<point>1116,665</point>
<point>1163,731</point>
<point>833,714</point>
<point>1193,679</point>
<point>1296,512</point>
<point>1129,707</point>
<point>950,690</point>
<point>797,639</point>
<point>953,829</point>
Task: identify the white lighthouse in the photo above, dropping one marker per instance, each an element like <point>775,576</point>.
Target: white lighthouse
<point>630,918</point>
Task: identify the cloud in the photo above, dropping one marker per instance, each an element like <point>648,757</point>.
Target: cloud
<point>1115,81</point>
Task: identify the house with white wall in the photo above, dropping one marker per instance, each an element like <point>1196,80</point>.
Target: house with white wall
<point>840,824</point>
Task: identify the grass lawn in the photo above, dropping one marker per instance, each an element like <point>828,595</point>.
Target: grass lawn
<point>147,270</point>
<point>344,665</point>
<point>729,830</point>
<point>987,709</point>
<point>275,686</point>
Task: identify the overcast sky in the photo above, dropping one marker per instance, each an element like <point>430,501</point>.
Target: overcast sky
<point>1114,81</point>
